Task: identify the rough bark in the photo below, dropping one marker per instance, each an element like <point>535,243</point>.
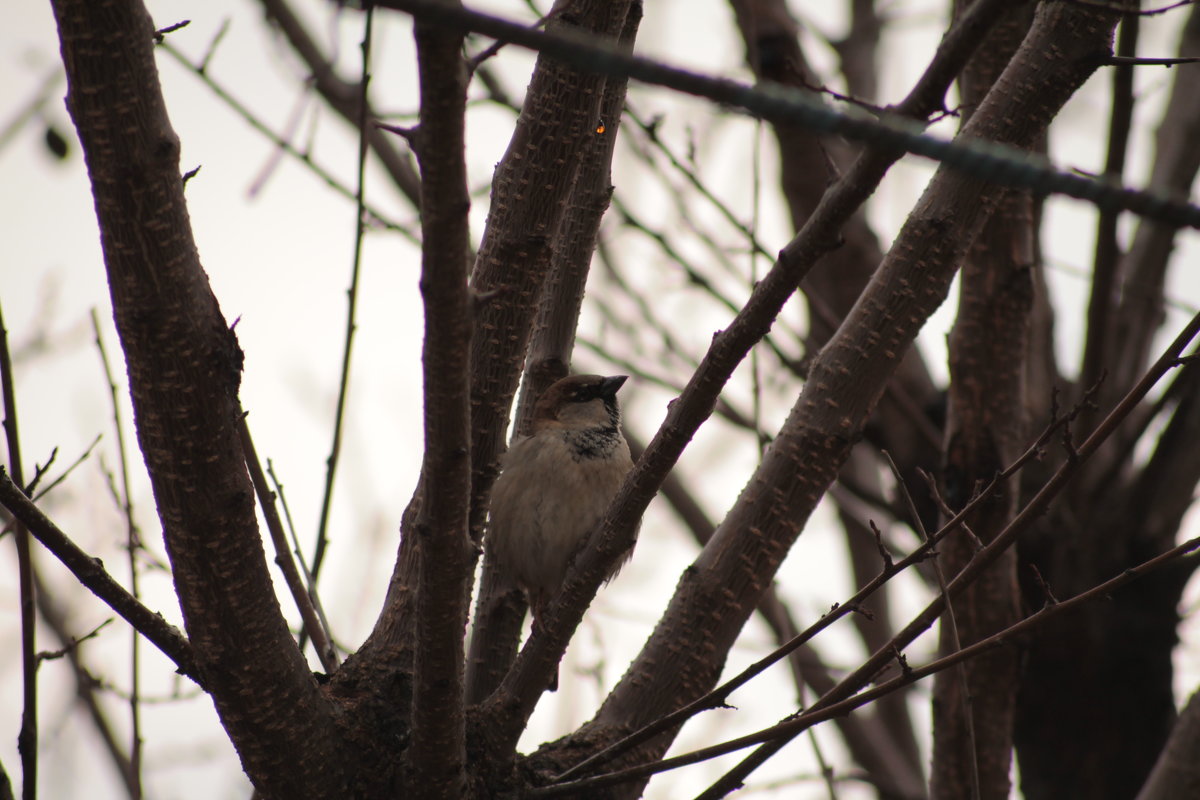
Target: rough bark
<point>437,757</point>
<point>500,609</point>
<point>808,164</point>
<point>1096,702</point>
<point>529,192</point>
<point>985,432</point>
<point>718,591</point>
<point>184,368</point>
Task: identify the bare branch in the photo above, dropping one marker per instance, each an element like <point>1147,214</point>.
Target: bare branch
<point>133,545</point>
<point>91,574</point>
<point>27,738</point>
<point>349,100</point>
<point>993,162</point>
<point>322,637</point>
<point>695,405</point>
<point>789,729</point>
<point>446,553</point>
<point>170,324</point>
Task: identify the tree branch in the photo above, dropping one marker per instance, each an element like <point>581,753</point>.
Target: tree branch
<point>447,555</point>
<point>985,558</point>
<point>685,415</point>
<point>27,738</point>
<point>990,161</point>
<point>345,98</point>
<point>788,729</point>
<point>500,608</point>
<point>184,367</point>
<point>91,573</point>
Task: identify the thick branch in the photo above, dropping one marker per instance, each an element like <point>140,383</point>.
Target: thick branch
<point>529,191</point>
<point>685,415</point>
<point>974,707</point>
<point>718,591</point>
<point>803,720</point>
<point>986,557</point>
<point>184,369</point>
<point>447,556</point>
<point>500,609</point>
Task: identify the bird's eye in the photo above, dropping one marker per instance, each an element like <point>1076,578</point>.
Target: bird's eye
<point>586,393</point>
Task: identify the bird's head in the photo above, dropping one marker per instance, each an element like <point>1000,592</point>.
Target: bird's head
<point>581,402</point>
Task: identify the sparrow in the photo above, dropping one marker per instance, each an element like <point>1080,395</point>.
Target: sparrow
<point>556,483</point>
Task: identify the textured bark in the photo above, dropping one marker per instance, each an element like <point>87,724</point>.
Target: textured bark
<point>807,167</point>
<point>1096,706</point>
<point>985,431</point>
<point>437,756</point>
<point>500,609</point>
<point>1096,703</point>
<point>718,592</point>
<point>184,368</point>
<point>529,192</point>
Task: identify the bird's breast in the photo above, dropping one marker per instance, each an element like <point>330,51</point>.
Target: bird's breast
<point>554,488</point>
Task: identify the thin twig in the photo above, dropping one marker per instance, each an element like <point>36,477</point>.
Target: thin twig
<point>1130,61</point>
<point>132,545</point>
<point>335,447</point>
<point>787,730</point>
<point>475,61</point>
<point>72,642</point>
<point>951,622</point>
<point>321,637</point>
<point>91,573</point>
<point>298,552</point>
<point>44,94</point>
<point>43,491</point>
<point>257,124</point>
<point>27,739</point>
<point>1132,8</point>
<point>86,686</point>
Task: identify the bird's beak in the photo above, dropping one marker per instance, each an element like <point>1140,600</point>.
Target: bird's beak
<point>610,385</point>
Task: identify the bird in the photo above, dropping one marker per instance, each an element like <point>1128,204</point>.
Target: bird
<point>556,483</point>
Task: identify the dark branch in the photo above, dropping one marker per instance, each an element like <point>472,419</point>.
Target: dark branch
<point>91,573</point>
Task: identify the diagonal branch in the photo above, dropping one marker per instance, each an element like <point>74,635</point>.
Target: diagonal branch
<point>819,236</point>
<point>989,161</point>
<point>790,728</point>
<point>345,98</point>
<point>91,573</point>
<point>321,635</point>
<point>718,696</point>
<point>986,557</point>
